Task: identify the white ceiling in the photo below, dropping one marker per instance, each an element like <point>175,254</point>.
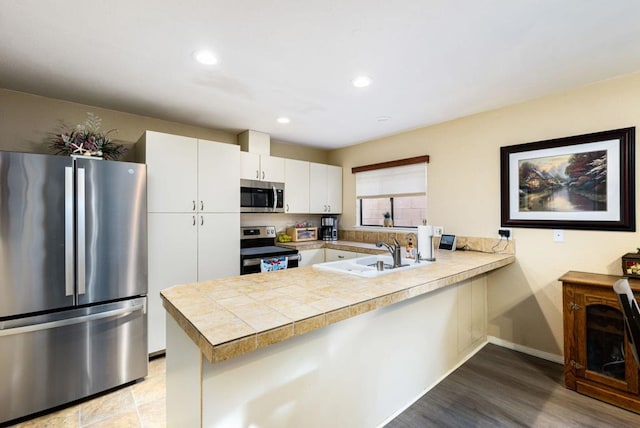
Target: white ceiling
<point>430,60</point>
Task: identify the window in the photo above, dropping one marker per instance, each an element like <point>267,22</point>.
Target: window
<point>398,190</point>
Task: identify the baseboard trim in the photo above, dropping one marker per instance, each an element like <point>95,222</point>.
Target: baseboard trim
<point>526,350</point>
<point>430,387</point>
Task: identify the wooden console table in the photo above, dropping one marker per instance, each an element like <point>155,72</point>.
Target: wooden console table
<point>598,360</point>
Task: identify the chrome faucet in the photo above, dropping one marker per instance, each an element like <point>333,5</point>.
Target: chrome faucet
<point>394,250</point>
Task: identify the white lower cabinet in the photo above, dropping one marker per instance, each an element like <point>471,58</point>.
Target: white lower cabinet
<point>332,255</point>
<point>184,248</point>
<point>311,257</point>
<point>173,259</point>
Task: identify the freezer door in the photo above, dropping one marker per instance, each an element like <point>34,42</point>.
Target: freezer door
<point>36,233</point>
<point>53,359</point>
<point>111,230</point>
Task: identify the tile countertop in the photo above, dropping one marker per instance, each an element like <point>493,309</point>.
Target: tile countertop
<point>232,316</point>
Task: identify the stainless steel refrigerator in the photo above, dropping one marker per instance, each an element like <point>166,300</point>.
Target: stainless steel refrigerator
<point>73,279</point>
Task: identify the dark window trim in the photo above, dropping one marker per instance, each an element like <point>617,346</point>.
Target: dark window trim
<point>391,164</point>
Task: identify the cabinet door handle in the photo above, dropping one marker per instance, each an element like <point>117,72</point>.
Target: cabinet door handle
<point>194,220</point>
<point>201,221</point>
<point>341,257</point>
<point>201,206</point>
<point>574,307</point>
<point>194,205</point>
<point>263,175</point>
<point>325,208</point>
<point>287,207</point>
<point>257,174</point>
<point>329,209</point>
<point>576,365</point>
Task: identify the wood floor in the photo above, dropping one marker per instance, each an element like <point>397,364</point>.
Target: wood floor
<point>498,387</point>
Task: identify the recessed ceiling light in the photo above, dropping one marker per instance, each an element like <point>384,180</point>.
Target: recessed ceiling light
<point>383,118</point>
<point>205,57</point>
<point>361,81</point>
<point>283,120</point>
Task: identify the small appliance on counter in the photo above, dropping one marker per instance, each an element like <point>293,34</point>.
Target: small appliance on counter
<point>299,234</point>
<point>329,228</point>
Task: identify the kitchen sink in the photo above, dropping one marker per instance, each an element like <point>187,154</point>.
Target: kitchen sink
<point>366,266</point>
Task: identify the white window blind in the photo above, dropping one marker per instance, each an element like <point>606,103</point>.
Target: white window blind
<point>395,181</point>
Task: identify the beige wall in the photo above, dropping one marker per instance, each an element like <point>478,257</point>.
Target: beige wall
<point>26,119</point>
<point>296,151</point>
<point>524,300</point>
<point>525,304</point>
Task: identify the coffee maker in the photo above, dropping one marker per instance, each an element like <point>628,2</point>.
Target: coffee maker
<point>329,228</point>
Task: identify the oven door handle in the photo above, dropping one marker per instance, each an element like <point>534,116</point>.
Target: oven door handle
<point>256,261</point>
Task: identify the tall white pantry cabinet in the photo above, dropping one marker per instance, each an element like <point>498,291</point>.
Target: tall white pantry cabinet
<point>193,202</point>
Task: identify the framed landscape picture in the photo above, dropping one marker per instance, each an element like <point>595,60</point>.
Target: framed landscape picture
<point>580,182</point>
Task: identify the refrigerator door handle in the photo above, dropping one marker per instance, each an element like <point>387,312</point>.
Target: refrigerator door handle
<point>68,232</point>
<point>71,321</point>
<point>81,232</point>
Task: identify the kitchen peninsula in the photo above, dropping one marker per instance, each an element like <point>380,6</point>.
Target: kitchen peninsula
<point>307,347</point>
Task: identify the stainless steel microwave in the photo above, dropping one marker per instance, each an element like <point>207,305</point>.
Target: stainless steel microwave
<point>261,197</point>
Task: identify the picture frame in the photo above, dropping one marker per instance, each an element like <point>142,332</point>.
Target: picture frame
<point>581,182</point>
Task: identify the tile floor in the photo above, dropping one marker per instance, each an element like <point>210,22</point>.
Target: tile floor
<point>141,405</point>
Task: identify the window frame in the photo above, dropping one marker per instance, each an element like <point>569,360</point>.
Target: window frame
<point>389,194</point>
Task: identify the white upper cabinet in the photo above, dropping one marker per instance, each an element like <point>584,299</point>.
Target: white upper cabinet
<point>272,168</point>
<point>172,171</point>
<point>249,166</point>
<point>334,188</point>
<point>325,189</point>
<point>218,177</point>
<point>296,186</point>
<point>189,175</point>
<point>261,167</point>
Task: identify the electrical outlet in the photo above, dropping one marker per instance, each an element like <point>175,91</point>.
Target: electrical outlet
<point>505,232</point>
<point>438,230</point>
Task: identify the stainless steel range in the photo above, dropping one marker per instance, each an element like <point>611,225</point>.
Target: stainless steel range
<point>258,243</point>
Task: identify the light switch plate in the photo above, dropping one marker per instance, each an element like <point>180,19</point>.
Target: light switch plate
<point>438,230</point>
